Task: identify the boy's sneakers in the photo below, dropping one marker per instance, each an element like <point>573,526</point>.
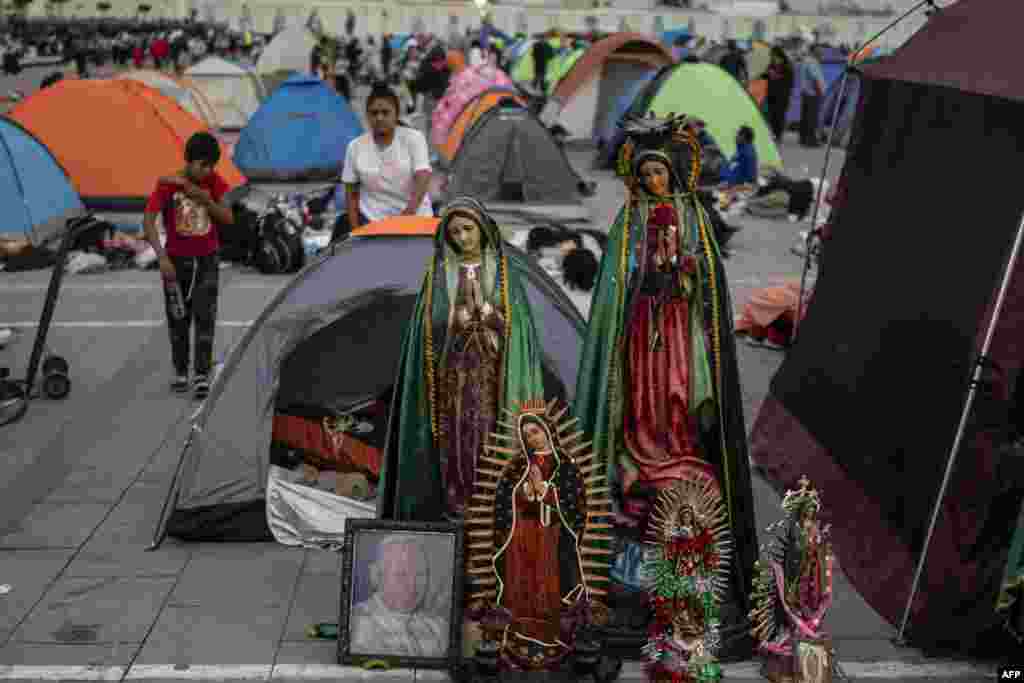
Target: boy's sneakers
<point>179,384</point>
<point>200,387</point>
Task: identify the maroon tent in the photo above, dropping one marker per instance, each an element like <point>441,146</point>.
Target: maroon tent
<point>868,402</point>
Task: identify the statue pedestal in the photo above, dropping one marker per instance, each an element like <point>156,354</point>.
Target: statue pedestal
<point>588,661</point>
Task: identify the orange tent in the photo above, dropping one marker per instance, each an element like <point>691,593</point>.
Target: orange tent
<point>399,225</point>
<point>484,102</point>
<point>114,137</point>
<point>626,48</point>
<point>758,88</point>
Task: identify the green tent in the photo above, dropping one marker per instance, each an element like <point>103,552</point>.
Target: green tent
<point>522,69</point>
<point>562,65</point>
<point>708,92</point>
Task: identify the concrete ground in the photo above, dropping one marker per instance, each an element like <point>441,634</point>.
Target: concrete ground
<point>84,480</point>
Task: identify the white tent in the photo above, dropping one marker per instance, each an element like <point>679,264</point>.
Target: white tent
<point>234,92</point>
<point>187,94</point>
<point>290,50</point>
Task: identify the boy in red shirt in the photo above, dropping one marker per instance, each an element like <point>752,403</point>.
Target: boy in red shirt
<point>191,205</point>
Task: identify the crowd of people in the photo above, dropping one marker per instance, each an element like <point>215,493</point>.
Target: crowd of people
<point>172,45</point>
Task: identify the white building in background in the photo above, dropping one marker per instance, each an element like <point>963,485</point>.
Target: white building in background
<point>720,20</point>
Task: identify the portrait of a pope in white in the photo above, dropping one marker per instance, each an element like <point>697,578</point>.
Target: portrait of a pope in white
<point>400,618</point>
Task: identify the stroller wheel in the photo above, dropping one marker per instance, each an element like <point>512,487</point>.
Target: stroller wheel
<point>268,260</point>
<point>55,365</point>
<point>56,386</point>
<point>284,254</point>
<point>297,252</point>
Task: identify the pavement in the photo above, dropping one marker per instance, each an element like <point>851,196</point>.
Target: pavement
<point>85,478</point>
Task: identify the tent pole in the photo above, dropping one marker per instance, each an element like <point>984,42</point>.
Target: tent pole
<point>817,203</point>
<point>171,499</point>
<point>1011,264</point>
<point>828,153</point>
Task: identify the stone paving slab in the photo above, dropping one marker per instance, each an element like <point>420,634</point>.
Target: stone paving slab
<point>232,574</point>
<point>312,652</point>
<point>55,525</point>
<point>246,633</point>
<point>86,655</point>
<point>29,573</point>
<point>316,601</point>
<point>92,484</point>
<point>130,523</point>
<point>168,560</point>
<point>103,609</point>
<point>322,562</point>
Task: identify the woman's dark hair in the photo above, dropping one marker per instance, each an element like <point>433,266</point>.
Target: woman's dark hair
<point>747,133</point>
<point>544,236</point>
<point>580,269</point>
<point>381,91</point>
<point>202,147</point>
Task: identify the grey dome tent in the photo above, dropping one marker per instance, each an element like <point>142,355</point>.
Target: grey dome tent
<point>508,156</point>
<point>336,331</point>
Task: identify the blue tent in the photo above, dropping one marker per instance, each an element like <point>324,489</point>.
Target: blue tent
<point>300,132</point>
<point>607,129</point>
<point>34,189</point>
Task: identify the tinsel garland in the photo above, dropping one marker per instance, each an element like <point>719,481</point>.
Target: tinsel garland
<point>665,661</point>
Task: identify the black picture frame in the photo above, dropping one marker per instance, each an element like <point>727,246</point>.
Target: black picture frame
<point>441,543</point>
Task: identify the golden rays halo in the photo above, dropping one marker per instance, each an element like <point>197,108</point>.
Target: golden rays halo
<point>698,492</point>
<point>502,457</point>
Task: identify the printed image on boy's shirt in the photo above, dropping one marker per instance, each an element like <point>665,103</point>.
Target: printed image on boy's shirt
<point>191,218</point>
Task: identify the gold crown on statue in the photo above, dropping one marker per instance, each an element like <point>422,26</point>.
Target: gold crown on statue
<point>795,501</point>
<point>534,406</point>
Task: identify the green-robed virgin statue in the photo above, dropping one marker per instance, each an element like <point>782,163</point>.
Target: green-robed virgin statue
<point>470,351</point>
<point>658,386</point>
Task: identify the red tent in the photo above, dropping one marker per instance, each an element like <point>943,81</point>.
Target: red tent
<point>869,401</point>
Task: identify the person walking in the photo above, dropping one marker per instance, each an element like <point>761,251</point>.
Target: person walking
<point>432,79</point>
<point>387,171</point>
<point>812,91</point>
<point>192,208</point>
<point>542,53</point>
<point>779,77</point>
<point>735,62</point>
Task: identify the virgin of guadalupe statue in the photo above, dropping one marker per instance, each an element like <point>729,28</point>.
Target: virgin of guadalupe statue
<point>689,529</point>
<point>470,350</point>
<point>658,385</point>
<point>792,592</point>
<point>538,538</point>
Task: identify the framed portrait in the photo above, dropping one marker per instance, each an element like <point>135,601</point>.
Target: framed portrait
<point>812,660</point>
<point>401,594</point>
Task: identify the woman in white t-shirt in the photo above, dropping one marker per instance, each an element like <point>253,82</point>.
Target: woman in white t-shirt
<point>387,171</point>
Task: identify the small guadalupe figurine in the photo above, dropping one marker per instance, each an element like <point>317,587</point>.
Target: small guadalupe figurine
<point>792,592</point>
<point>689,529</point>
